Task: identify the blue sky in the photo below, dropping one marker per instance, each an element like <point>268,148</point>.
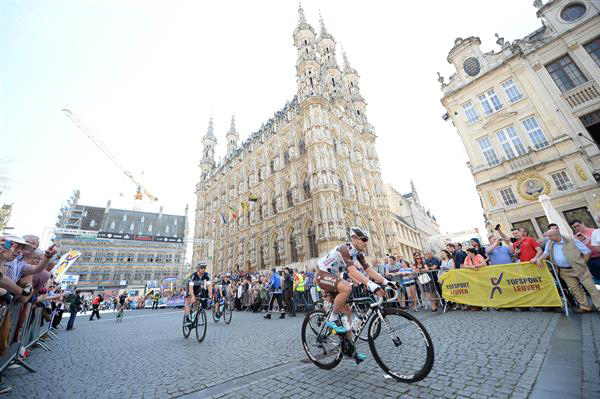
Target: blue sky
<point>145,76</point>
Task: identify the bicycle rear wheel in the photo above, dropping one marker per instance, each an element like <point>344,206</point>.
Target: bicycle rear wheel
<point>186,327</point>
<point>200,324</point>
<point>321,346</point>
<point>227,313</point>
<point>401,345</point>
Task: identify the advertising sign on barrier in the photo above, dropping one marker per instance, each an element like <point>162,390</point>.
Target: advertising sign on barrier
<point>175,302</point>
<point>501,286</point>
<point>151,284</point>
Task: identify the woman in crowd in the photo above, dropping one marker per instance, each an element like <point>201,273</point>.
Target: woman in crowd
<point>474,260</point>
<point>425,281</point>
<point>476,244</point>
<point>447,261</point>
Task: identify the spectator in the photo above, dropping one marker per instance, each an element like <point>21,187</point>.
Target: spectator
<point>379,266</point>
<point>475,243</point>
<point>288,290</point>
<point>299,292</point>
<point>434,263</point>
<point>96,306</point>
<point>393,272</point>
<point>457,254</point>
<point>74,301</point>
<point>446,263</point>
<point>155,303</point>
<point>586,235</point>
<point>276,294</point>
<point>499,254</point>
<point>571,257</point>
<point>474,260</point>
<point>425,281</point>
<point>526,248</point>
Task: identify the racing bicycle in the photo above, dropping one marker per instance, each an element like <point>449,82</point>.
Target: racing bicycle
<point>198,321</point>
<point>222,308</point>
<point>399,342</point>
<point>119,316</point>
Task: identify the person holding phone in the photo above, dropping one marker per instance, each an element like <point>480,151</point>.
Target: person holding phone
<point>526,248</point>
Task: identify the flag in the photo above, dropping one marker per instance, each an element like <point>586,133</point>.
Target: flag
<point>252,197</point>
<point>245,207</point>
<point>233,213</point>
<point>65,262</point>
<point>223,218</point>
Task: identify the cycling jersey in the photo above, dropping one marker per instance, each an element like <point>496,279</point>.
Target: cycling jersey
<point>198,281</point>
<point>122,298</point>
<point>340,258</point>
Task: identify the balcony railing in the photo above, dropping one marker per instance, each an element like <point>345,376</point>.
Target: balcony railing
<point>519,163</point>
<point>582,95</point>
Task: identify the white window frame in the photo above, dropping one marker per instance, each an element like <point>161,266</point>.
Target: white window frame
<point>509,86</point>
<point>511,143</point>
<point>508,196</point>
<point>470,112</point>
<point>562,181</point>
<point>490,102</point>
<point>535,132</point>
<point>489,153</point>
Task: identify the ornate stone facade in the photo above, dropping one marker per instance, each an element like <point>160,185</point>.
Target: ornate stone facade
<point>312,167</point>
<point>528,115</point>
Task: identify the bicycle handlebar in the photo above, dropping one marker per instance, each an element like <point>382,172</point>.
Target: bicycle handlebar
<point>380,300</point>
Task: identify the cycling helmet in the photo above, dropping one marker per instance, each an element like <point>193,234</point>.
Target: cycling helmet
<point>359,232</point>
<point>201,263</point>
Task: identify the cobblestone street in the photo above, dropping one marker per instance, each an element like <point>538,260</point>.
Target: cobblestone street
<point>478,355</point>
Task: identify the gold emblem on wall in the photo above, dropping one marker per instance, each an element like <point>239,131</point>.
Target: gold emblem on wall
<point>491,198</point>
<point>531,185</point>
<point>580,172</point>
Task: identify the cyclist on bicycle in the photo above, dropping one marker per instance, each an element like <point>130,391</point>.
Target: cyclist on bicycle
<point>122,301</point>
<point>195,286</point>
<point>329,278</point>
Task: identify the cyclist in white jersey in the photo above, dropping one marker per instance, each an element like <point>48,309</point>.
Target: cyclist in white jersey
<point>329,279</point>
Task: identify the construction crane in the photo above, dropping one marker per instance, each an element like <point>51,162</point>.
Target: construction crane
<point>141,190</point>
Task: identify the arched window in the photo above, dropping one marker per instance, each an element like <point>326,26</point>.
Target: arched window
<point>312,243</point>
<point>293,250</point>
<point>306,187</point>
<point>302,146</point>
<point>335,146</point>
<point>274,205</point>
<point>261,254</point>
<point>260,212</point>
<point>341,185</point>
<point>272,166</point>
<point>276,253</point>
<point>286,156</point>
<point>290,198</point>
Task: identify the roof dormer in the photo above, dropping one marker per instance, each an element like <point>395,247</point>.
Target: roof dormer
<point>467,57</point>
<point>564,15</point>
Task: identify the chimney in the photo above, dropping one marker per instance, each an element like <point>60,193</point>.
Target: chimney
<point>107,206</point>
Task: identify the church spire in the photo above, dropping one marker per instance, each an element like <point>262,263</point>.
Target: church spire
<point>232,137</point>
<point>209,142</point>
<point>301,17</point>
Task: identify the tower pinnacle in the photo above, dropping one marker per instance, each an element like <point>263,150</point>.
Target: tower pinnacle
<point>209,141</point>
<point>301,17</point>
<point>232,137</point>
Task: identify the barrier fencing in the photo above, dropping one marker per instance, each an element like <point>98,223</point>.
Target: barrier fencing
<point>14,341</point>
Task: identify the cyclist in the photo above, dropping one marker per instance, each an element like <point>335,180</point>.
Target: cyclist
<point>121,301</point>
<point>195,286</point>
<point>218,292</point>
<point>329,278</point>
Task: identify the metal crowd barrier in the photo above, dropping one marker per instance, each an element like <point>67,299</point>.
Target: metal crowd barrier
<point>22,339</point>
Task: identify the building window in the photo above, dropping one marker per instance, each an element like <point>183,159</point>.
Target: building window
<point>490,102</point>
<point>177,258</point>
<point>565,73</point>
<point>306,187</point>
<point>159,258</point>
<point>274,205</point>
<point>150,258</point>
<point>470,112</point>
<point>147,276</point>
<point>286,156</point>
<point>312,243</point>
<point>272,166</point>
<point>168,258</point>
<point>302,146</point>
<point>109,257</point>
<point>341,186</point>
<point>593,48</point>
<point>488,151</point>
<point>98,257</point>
<point>105,277</point>
<point>293,250</point>
<point>129,257</point>
<point>290,198</point>
<point>511,143</point>
<point>508,196</point>
<point>260,212</point>
<point>512,91</point>
<point>562,181</point>
<point>276,253</point>
<point>538,138</point>
<point>137,276</point>
<point>141,257</point>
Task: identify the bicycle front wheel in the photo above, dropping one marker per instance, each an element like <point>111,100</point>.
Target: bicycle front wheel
<point>401,345</point>
<point>215,316</point>
<point>200,324</point>
<point>186,327</point>
<point>227,313</point>
<point>321,346</point>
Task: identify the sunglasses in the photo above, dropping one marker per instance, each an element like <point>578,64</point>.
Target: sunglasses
<point>364,239</point>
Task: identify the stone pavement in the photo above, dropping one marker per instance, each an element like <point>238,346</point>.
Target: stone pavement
<point>477,355</point>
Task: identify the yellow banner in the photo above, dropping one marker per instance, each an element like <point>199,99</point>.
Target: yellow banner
<point>501,286</point>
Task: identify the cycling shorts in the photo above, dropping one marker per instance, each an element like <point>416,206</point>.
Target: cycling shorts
<point>326,281</point>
